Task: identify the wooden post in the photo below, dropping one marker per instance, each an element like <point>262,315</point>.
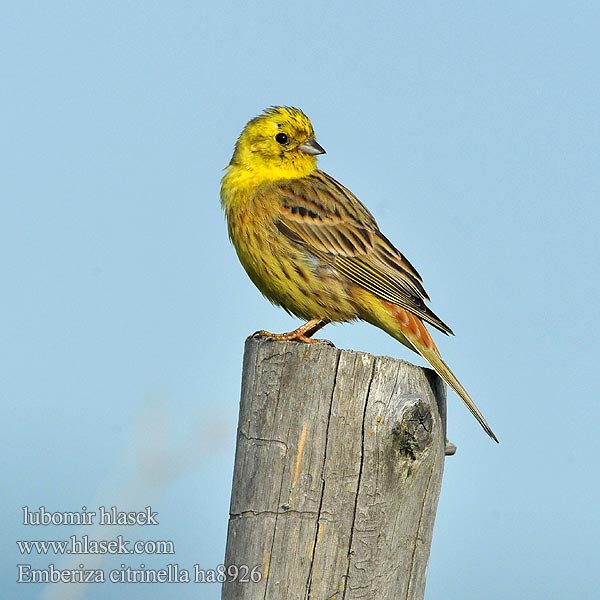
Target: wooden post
<point>338,470</point>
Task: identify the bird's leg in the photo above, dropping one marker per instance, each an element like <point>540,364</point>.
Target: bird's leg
<point>302,334</point>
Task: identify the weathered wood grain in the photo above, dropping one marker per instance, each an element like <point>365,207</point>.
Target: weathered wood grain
<point>337,474</point>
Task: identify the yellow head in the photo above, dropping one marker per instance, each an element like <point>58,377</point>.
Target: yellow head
<point>279,144</point>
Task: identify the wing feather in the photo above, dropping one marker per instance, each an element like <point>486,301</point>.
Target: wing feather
<point>327,220</point>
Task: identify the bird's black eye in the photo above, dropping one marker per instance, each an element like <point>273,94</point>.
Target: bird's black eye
<point>281,138</point>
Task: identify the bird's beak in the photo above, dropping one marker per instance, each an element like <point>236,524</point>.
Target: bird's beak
<point>311,146</point>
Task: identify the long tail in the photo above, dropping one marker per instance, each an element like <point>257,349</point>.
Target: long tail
<point>443,370</point>
<point>409,329</point>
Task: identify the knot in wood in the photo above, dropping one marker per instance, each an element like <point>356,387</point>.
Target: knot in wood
<point>413,432</point>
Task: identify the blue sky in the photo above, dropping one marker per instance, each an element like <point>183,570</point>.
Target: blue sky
<point>471,130</point>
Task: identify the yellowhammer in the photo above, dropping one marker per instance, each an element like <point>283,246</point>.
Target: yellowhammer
<point>312,247</point>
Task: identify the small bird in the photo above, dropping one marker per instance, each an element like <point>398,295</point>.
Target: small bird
<point>311,247</point>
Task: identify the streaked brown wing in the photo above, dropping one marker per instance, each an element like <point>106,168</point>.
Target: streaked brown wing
<point>327,220</point>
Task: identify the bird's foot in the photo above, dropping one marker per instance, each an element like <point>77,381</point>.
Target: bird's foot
<point>302,334</point>
<point>290,336</point>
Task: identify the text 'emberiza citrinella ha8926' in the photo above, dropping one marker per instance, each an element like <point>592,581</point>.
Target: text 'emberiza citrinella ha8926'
<point>312,247</point>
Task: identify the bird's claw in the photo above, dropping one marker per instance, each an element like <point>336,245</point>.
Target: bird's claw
<point>290,336</point>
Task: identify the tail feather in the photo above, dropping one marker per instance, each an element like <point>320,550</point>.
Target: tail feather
<point>410,330</point>
<point>442,369</point>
